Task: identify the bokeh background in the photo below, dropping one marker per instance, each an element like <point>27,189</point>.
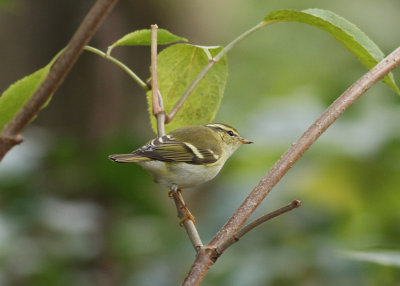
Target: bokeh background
<point>69,216</point>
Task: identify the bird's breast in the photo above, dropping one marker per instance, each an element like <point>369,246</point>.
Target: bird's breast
<point>181,174</point>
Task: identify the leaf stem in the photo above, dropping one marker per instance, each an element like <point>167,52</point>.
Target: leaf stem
<point>135,77</point>
<point>211,63</point>
<point>188,91</point>
<point>240,38</point>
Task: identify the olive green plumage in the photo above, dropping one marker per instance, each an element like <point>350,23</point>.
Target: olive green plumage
<point>187,156</point>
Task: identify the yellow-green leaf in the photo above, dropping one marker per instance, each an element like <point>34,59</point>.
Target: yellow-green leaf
<point>17,94</point>
<point>178,66</point>
<point>143,38</point>
<point>348,34</point>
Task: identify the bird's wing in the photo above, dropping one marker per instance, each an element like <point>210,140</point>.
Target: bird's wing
<point>167,148</point>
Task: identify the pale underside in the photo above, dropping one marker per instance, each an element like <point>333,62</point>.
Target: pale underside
<point>189,174</point>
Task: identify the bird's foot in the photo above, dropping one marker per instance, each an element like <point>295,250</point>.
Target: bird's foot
<point>171,193</point>
<point>188,216</point>
<point>176,193</point>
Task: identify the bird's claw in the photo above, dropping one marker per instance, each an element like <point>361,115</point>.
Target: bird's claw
<point>188,216</point>
<point>177,194</point>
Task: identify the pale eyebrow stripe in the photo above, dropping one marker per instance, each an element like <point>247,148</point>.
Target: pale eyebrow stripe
<point>223,128</point>
<point>220,126</point>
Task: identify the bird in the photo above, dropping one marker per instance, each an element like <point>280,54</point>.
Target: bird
<point>187,156</point>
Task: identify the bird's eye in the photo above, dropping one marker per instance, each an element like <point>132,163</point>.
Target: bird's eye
<point>230,133</point>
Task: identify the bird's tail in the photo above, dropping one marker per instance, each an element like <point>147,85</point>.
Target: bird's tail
<point>127,158</point>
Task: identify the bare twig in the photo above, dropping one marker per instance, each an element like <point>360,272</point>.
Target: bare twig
<point>11,134</point>
<point>187,223</point>
<point>158,111</point>
<point>255,223</point>
<point>158,105</point>
<point>205,259</point>
<point>207,255</point>
<point>154,74</point>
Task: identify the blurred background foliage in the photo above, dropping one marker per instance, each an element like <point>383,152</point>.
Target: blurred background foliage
<point>69,216</point>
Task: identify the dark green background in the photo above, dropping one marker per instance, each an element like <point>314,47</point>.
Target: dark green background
<point>69,216</point>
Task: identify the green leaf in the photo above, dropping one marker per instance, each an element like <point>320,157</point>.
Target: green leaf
<point>143,38</point>
<point>178,66</point>
<point>17,94</point>
<point>356,41</point>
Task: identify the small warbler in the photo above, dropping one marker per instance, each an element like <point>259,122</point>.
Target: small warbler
<point>188,156</point>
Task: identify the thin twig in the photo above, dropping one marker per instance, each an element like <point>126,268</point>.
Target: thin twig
<point>158,111</point>
<point>158,105</point>
<point>187,223</point>
<point>161,115</point>
<point>211,63</point>
<point>135,77</point>
<point>154,75</point>
<point>205,259</point>
<point>11,134</point>
<point>235,238</point>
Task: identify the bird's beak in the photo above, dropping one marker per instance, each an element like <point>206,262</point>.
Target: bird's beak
<point>244,141</point>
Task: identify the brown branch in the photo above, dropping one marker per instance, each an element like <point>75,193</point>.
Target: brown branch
<point>158,104</point>
<point>158,111</point>
<point>237,236</point>
<point>11,134</point>
<point>187,223</point>
<point>205,259</point>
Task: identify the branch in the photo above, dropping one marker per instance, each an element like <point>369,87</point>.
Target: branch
<point>236,237</point>
<point>11,134</point>
<point>205,70</point>
<point>205,259</point>
<point>298,148</point>
<point>187,223</point>
<point>158,111</point>
<point>158,104</point>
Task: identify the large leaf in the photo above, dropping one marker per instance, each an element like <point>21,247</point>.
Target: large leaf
<point>178,66</point>
<point>342,30</point>
<point>17,94</point>
<point>143,38</point>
